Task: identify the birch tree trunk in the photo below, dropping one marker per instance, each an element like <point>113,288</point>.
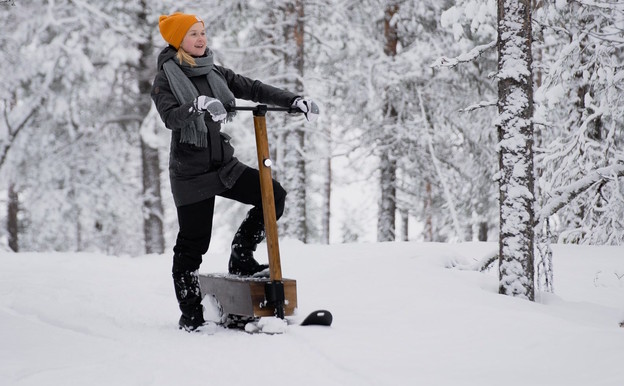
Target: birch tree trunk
<point>152,199</point>
<point>515,131</point>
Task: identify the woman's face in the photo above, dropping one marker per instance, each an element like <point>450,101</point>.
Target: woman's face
<point>195,41</point>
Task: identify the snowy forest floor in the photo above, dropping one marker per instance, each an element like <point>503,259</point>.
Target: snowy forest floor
<point>404,314</point>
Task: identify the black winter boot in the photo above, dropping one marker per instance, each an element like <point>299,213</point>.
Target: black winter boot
<point>249,235</point>
<point>189,298</point>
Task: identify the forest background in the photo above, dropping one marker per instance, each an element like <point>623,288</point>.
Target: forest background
<point>405,147</point>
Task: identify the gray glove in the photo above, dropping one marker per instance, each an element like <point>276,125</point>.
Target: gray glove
<point>308,107</point>
<point>210,105</point>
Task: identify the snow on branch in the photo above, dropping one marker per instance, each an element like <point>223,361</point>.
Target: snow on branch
<point>563,195</point>
<point>17,118</point>
<point>111,21</point>
<point>479,105</point>
<point>599,4</point>
<point>463,58</point>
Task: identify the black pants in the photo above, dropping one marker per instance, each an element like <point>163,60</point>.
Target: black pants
<point>195,220</point>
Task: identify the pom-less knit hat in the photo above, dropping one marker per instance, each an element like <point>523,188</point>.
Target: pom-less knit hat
<point>174,27</point>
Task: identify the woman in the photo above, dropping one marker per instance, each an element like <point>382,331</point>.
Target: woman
<point>191,94</point>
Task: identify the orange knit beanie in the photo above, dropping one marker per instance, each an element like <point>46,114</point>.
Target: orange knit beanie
<point>174,27</point>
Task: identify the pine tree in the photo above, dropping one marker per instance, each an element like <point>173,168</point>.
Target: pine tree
<point>387,161</point>
<point>515,130</point>
<point>153,213</point>
<point>294,162</point>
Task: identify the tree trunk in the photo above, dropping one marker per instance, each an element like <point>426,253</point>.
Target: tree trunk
<point>387,205</point>
<point>12,221</point>
<point>152,199</point>
<point>515,131</point>
<point>295,182</point>
<point>390,33</point>
<point>428,212</point>
<point>326,210</point>
<point>387,163</point>
<point>404,224</point>
<point>295,217</point>
<point>483,231</point>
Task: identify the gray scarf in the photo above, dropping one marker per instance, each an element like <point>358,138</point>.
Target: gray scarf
<point>184,91</point>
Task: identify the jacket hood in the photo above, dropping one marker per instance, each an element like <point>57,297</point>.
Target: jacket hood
<point>166,54</point>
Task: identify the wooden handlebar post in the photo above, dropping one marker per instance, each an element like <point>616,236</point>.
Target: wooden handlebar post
<point>268,199</point>
<point>274,289</point>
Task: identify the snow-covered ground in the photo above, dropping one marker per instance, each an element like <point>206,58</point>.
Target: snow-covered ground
<point>404,314</point>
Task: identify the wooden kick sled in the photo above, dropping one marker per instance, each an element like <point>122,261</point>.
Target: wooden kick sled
<point>251,297</point>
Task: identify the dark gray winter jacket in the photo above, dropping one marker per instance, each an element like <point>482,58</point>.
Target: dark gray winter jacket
<point>194,175</point>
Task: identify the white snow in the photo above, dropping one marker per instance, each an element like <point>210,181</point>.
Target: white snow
<point>560,4</point>
<point>268,325</point>
<point>404,314</point>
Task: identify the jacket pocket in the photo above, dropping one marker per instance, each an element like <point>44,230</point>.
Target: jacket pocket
<point>187,160</point>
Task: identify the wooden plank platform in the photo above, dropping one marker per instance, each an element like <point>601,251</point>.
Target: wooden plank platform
<point>245,296</point>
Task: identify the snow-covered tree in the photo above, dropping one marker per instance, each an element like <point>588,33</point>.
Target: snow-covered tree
<point>294,160</point>
<point>439,151</point>
<point>515,147</point>
<point>581,110</point>
<point>72,159</point>
<point>468,109</point>
<point>266,41</point>
<point>77,137</point>
<point>153,212</point>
